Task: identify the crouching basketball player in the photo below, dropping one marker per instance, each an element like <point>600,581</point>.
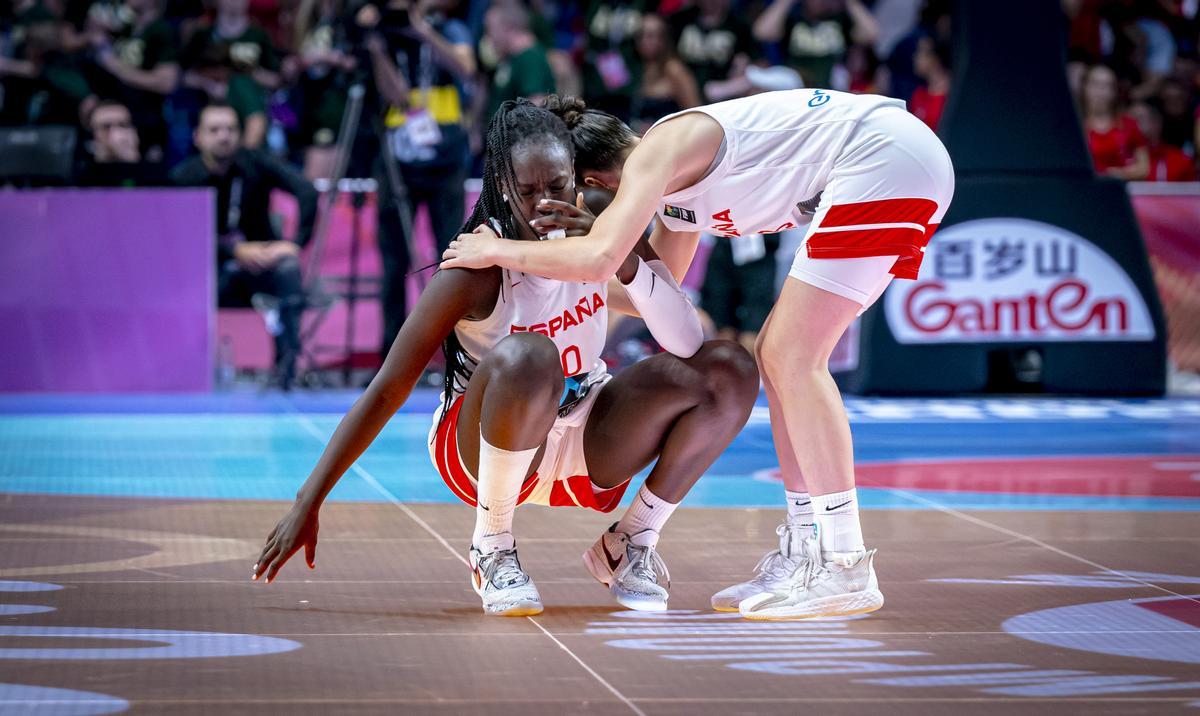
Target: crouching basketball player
<point>530,414</point>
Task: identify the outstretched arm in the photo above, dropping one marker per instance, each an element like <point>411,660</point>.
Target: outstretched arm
<point>450,296</point>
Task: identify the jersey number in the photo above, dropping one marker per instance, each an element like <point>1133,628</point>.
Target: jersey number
<point>572,362</point>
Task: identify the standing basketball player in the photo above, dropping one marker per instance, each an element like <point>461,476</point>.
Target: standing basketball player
<point>512,428</point>
<point>871,181</point>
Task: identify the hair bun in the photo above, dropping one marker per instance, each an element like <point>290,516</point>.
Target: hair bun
<point>569,109</point>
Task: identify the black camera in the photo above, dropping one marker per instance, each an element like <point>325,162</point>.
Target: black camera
<point>394,21</point>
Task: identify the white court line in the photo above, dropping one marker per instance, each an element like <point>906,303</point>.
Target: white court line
<point>1013,533</point>
<point>313,430</point>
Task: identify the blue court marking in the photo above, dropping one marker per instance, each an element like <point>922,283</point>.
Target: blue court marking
<point>15,586</point>
<point>250,446</point>
<point>172,644</point>
<point>27,699</point>
<point>11,610</point>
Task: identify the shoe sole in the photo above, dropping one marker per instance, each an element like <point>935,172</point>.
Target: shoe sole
<point>840,606</point>
<point>522,609</point>
<point>640,606</point>
<point>725,609</point>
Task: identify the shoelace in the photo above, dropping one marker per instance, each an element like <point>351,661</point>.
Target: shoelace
<point>813,568</point>
<point>503,570</point>
<point>645,563</point>
<point>774,565</point>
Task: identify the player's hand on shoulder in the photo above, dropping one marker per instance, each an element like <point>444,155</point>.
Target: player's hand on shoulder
<point>475,250</point>
<point>573,219</point>
<point>297,529</point>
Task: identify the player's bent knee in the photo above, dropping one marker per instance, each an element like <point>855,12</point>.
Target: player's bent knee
<point>730,372</point>
<point>779,357</point>
<point>525,361</point>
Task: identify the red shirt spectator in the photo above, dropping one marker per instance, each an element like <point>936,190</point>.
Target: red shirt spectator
<point>927,106</point>
<point>1169,163</point>
<point>931,62</point>
<point>1116,147</point>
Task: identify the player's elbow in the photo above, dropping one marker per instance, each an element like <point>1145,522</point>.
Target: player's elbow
<point>602,267</point>
<point>687,342</point>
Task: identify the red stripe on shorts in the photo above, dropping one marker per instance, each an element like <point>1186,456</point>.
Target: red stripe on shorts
<point>907,243</point>
<point>576,491</point>
<point>881,211</point>
<point>449,463</point>
<point>857,243</point>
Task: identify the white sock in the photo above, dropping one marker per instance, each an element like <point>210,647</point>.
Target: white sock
<point>501,473</point>
<point>837,525</point>
<point>799,508</point>
<point>648,512</point>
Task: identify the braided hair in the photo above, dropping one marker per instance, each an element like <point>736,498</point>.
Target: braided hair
<point>515,124</point>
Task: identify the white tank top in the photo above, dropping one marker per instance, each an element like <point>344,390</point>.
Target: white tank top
<point>573,315</point>
<point>779,150</point>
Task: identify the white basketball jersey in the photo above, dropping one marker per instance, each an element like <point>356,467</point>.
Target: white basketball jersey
<point>573,315</point>
<point>779,150</point>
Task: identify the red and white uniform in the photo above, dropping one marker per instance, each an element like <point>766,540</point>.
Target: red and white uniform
<point>575,317</point>
<point>871,181</point>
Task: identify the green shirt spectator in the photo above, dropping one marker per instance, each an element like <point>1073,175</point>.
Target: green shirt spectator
<point>813,39</point>
<point>233,60</point>
<point>523,70</point>
<point>610,68</point>
<point>137,64</point>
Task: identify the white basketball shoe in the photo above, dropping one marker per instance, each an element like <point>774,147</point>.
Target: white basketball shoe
<point>504,587</point>
<point>772,571</point>
<point>820,589</point>
<point>631,569</point>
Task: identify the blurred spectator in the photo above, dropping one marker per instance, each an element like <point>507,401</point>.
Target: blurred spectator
<point>136,62</point>
<point>712,41</point>
<point>232,60</point>
<point>863,71</point>
<point>933,20</point>
<point>932,63</point>
<point>556,24</point>
<point>116,158</point>
<point>320,72</point>
<point>753,80</point>
<point>666,84</point>
<point>610,68</point>
<point>43,81</point>
<point>815,37</point>
<point>418,58</point>
<point>1152,53</point>
<point>1177,114</point>
<point>523,69</point>
<point>1117,145</point>
<point>250,257</point>
<point>1167,163</point>
<point>739,286</point>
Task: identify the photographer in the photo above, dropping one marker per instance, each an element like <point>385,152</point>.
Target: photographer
<point>418,59</point>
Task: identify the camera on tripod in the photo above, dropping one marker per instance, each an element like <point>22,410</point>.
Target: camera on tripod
<point>391,20</point>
